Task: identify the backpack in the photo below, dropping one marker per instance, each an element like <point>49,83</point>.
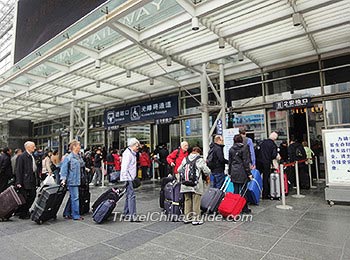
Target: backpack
<point>210,159</point>
<point>300,154</point>
<point>188,175</point>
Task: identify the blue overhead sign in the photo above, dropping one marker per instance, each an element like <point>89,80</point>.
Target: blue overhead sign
<point>155,109</point>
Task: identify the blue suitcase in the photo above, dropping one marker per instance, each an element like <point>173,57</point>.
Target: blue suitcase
<point>254,188</point>
<point>103,211</point>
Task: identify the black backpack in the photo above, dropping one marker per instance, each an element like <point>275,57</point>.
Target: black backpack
<point>210,159</point>
<point>188,175</point>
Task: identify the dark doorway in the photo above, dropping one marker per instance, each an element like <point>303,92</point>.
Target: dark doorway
<point>163,134</point>
<point>297,125</point>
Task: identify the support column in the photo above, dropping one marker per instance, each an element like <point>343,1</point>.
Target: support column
<point>71,122</point>
<point>205,113</point>
<point>222,94</point>
<point>86,125</point>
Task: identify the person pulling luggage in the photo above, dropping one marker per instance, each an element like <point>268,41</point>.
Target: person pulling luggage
<point>239,167</point>
<point>192,187</point>
<point>70,176</point>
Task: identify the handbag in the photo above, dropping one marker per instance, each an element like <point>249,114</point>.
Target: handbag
<point>135,182</point>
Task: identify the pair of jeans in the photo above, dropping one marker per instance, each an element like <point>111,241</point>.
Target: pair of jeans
<point>192,207</point>
<point>218,179</point>
<point>98,176</point>
<point>72,206</point>
<point>130,201</point>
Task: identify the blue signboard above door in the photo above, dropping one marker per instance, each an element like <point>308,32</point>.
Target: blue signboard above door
<point>151,110</point>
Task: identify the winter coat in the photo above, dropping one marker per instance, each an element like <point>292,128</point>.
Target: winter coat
<point>25,176</point>
<point>5,165</point>
<point>145,160</point>
<point>239,159</point>
<point>176,157</point>
<point>267,152</point>
<point>201,167</point>
<point>218,156</point>
<point>98,160</point>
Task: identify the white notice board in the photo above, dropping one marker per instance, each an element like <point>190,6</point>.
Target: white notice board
<point>228,135</point>
<point>336,144</point>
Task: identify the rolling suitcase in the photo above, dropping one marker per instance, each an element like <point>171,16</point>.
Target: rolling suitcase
<point>255,188</point>
<point>84,200</point>
<point>163,182</point>
<point>212,197</point>
<point>232,205</point>
<point>275,186</point>
<point>10,200</point>
<point>173,203</point>
<point>112,193</point>
<point>48,203</point>
<point>104,210</point>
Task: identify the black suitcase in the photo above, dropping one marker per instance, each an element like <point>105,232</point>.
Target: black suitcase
<point>173,203</point>
<point>211,200</point>
<point>111,194</point>
<point>84,200</point>
<point>48,203</point>
<point>164,181</point>
<point>10,200</point>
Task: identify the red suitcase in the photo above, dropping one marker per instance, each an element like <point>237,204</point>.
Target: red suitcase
<point>232,205</point>
<point>10,200</point>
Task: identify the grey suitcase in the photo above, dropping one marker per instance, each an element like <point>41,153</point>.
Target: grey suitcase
<point>211,199</point>
<point>275,186</point>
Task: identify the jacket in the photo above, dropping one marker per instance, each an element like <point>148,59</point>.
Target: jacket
<point>128,167</point>
<point>201,167</point>
<point>145,160</point>
<point>239,160</point>
<point>25,176</point>
<point>71,169</point>
<point>292,152</point>
<point>163,154</point>
<point>218,156</point>
<point>5,165</point>
<point>98,161</point>
<point>176,157</point>
<point>117,162</point>
<point>267,152</point>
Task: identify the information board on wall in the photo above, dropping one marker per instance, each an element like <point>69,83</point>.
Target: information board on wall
<point>336,143</point>
<point>228,135</point>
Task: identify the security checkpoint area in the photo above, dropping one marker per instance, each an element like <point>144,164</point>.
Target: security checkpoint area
<point>169,71</point>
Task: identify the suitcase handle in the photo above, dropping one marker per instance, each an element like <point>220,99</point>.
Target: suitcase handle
<point>226,183</point>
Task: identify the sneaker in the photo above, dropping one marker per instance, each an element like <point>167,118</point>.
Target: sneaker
<point>187,221</point>
<point>200,222</point>
<point>81,218</point>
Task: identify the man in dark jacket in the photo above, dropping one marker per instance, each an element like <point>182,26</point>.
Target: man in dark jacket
<point>216,161</point>
<point>163,165</point>
<point>5,168</point>
<point>26,178</point>
<point>296,152</point>
<point>265,156</point>
<point>98,167</point>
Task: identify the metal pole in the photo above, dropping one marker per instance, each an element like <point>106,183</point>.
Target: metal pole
<point>103,174</point>
<point>309,143</point>
<point>222,94</point>
<point>205,113</point>
<point>153,170</point>
<point>283,206</point>
<point>298,195</point>
<point>317,173</point>
<point>86,125</point>
<point>71,122</point>
<point>310,176</point>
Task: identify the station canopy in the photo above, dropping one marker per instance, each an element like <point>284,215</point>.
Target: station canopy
<point>121,51</point>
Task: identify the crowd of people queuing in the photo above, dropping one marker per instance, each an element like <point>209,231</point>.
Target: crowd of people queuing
<point>27,168</point>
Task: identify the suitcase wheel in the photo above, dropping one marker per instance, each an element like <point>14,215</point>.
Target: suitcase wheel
<point>39,222</point>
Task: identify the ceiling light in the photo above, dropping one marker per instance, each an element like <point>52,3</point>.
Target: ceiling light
<point>98,84</point>
<point>168,61</point>
<point>39,104</point>
<point>240,56</point>
<point>27,93</point>
<point>54,99</point>
<point>296,19</point>
<point>97,64</point>
<point>128,73</point>
<point>74,92</point>
<point>195,23</point>
<point>151,81</point>
<point>221,43</point>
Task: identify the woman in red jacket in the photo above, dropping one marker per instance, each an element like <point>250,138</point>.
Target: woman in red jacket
<point>145,163</point>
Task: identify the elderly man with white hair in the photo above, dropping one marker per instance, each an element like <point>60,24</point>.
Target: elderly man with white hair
<point>128,174</point>
<point>176,157</point>
<point>264,158</point>
<point>26,178</point>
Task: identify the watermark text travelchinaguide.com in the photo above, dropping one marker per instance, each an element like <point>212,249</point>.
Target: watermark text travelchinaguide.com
<point>161,216</point>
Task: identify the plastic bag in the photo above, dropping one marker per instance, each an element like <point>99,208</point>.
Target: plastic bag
<point>49,180</point>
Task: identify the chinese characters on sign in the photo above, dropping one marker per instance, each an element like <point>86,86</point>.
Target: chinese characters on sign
<point>163,121</point>
<point>162,109</point>
<point>337,145</point>
<point>292,103</point>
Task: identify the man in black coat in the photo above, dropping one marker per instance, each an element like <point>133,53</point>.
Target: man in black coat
<point>296,152</point>
<point>5,168</point>
<point>163,165</point>
<point>267,152</point>
<point>216,161</point>
<point>26,178</point>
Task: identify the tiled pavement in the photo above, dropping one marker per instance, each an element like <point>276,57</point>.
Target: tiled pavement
<point>311,230</point>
